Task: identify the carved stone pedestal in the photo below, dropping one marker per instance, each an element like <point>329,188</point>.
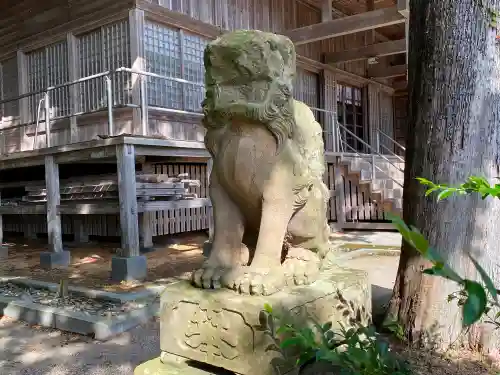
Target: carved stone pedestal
<point>222,328</point>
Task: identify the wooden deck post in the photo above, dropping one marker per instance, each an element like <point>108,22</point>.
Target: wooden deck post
<point>130,265</point>
<point>4,251</point>
<point>56,256</point>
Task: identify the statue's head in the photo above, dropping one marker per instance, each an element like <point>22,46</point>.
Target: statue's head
<point>249,75</point>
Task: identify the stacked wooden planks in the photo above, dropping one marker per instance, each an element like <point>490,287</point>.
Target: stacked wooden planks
<point>149,187</point>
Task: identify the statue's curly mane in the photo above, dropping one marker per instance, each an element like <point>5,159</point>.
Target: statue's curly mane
<point>258,68</point>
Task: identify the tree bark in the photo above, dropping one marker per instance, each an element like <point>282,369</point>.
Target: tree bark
<point>454,132</point>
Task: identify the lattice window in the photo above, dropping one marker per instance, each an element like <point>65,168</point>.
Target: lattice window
<point>171,53</point>
<point>350,114</point>
<point>194,70</point>
<point>9,84</point>
<point>92,93</point>
<point>47,67</point>
<point>116,43</point>
<point>103,49</point>
<point>162,49</point>
<point>305,89</point>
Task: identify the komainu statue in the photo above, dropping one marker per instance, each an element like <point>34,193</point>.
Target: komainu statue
<point>266,186</point>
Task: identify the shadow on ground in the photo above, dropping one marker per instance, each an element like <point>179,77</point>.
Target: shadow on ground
<point>39,351</point>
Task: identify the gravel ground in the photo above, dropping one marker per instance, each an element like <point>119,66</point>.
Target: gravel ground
<point>28,350</point>
<point>72,303</point>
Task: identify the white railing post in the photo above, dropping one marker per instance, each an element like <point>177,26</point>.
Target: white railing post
<point>109,94</point>
<point>377,141</point>
<point>47,118</point>
<point>373,168</point>
<point>144,105</point>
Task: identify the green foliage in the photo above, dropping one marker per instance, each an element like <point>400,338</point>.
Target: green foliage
<point>396,328</point>
<point>475,299</point>
<point>358,350</point>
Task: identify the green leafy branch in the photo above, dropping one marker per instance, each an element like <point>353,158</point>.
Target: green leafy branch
<point>475,299</point>
<point>473,184</point>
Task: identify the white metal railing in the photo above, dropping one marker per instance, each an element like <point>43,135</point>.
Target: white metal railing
<point>396,145</point>
<point>340,143</point>
<point>47,107</point>
<point>109,80</point>
<point>335,134</point>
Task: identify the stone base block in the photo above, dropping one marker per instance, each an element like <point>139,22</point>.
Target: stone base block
<point>49,260</point>
<point>227,330</point>
<point>129,268</point>
<point>4,252</point>
<point>176,366</point>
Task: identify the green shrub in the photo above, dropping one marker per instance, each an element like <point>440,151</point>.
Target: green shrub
<point>358,350</point>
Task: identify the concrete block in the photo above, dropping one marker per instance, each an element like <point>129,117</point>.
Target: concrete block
<point>129,268</point>
<point>102,328</point>
<point>49,260</point>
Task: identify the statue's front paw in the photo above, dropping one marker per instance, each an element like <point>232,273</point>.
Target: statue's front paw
<point>255,280</point>
<point>302,266</point>
<point>208,277</point>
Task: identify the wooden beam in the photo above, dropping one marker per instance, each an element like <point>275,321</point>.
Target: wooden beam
<point>380,49</point>
<point>347,25</point>
<point>54,231</point>
<point>387,71</point>
<point>129,219</point>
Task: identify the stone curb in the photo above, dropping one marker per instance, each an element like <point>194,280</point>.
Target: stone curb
<point>101,328</point>
<point>362,252</point>
<point>151,291</point>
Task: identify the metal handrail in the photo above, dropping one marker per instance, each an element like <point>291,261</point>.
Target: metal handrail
<point>356,137</point>
<point>374,152</point>
<point>374,165</point>
<point>154,75</point>
<point>392,153</point>
<point>46,99</point>
<point>392,139</point>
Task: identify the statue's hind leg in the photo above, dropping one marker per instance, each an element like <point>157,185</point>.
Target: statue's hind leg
<point>228,250</point>
<point>308,236</point>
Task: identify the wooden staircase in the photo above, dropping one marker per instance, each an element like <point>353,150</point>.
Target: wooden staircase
<point>386,186</point>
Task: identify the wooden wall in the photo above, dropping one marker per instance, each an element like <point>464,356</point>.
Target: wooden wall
<point>270,15</point>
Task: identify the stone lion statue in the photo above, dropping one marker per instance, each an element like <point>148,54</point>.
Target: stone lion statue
<point>266,186</point>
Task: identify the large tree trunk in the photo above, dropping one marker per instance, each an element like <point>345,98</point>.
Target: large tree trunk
<point>454,132</point>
